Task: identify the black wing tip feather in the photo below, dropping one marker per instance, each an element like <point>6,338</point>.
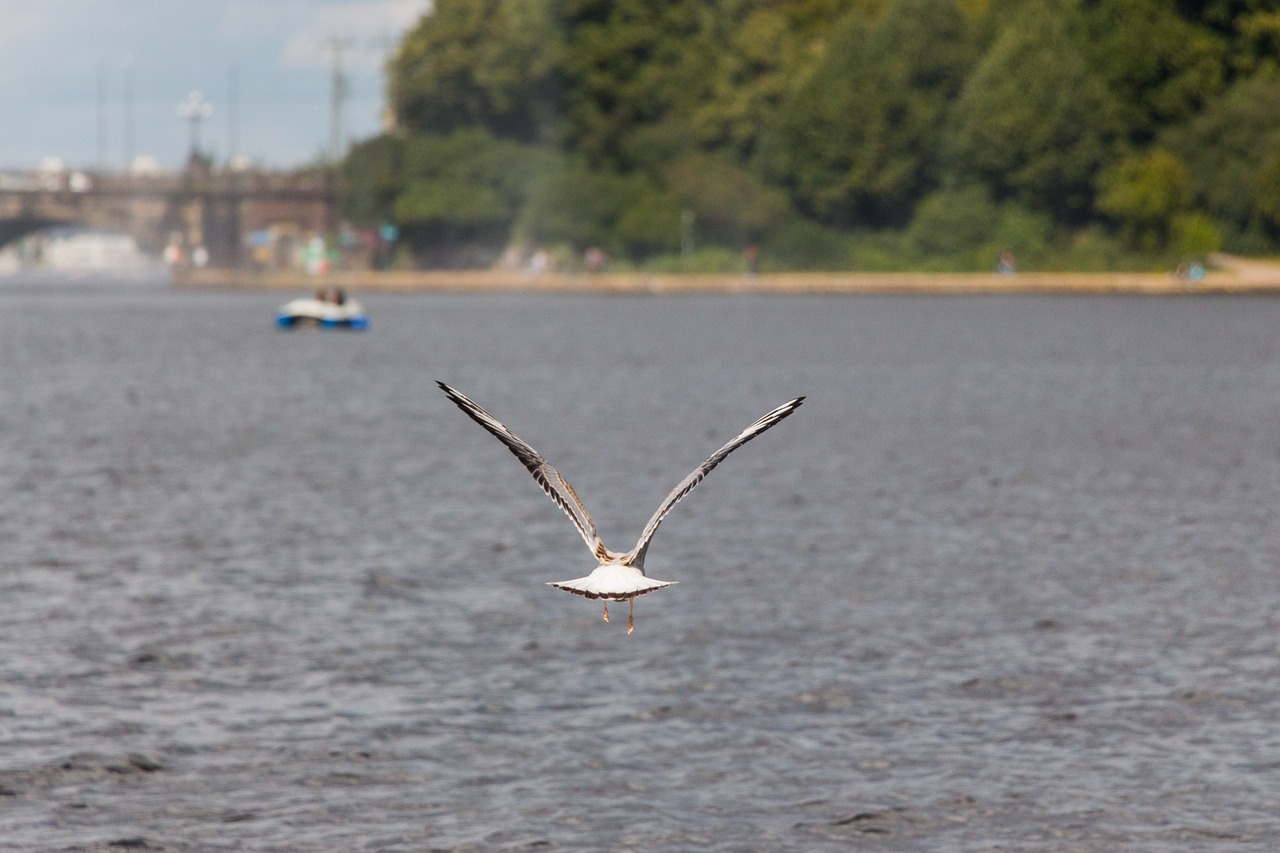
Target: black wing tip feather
<point>452,393</point>
<point>779,413</point>
<point>462,401</point>
<point>794,404</point>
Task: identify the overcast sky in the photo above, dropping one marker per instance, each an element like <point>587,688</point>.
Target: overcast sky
<point>55,55</point>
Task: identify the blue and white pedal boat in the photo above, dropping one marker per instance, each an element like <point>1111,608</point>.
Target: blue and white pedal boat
<point>309,311</point>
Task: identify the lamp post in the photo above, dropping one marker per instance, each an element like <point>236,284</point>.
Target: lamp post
<point>195,109</point>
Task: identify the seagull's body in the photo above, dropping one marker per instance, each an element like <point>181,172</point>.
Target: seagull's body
<point>619,577</point>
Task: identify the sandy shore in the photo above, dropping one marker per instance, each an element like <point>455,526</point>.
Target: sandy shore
<point>1230,274</point>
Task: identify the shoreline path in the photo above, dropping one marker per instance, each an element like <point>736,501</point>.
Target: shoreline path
<point>1228,274</point>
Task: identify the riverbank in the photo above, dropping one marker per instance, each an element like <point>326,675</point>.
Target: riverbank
<point>1229,274</point>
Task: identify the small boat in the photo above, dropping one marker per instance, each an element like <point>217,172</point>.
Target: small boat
<point>336,311</point>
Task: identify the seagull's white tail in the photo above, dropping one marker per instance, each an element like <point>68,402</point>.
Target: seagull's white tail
<point>612,582</point>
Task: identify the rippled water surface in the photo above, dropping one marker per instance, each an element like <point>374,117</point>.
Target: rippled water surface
<point>1009,579</point>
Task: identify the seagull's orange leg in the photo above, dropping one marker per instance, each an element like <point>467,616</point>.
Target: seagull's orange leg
<point>606,609</point>
<point>631,612</point>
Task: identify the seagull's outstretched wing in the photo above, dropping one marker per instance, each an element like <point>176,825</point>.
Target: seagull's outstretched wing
<point>636,556</point>
<point>549,478</point>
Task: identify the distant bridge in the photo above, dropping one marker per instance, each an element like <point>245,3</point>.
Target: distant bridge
<point>198,207</point>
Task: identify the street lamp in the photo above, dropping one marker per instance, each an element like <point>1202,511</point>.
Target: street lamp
<point>195,109</point>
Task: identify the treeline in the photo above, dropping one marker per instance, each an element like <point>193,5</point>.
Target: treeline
<point>831,133</point>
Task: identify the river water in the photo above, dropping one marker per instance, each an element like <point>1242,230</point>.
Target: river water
<point>1007,581</point>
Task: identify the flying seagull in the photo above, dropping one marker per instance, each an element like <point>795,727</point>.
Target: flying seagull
<point>619,577</point>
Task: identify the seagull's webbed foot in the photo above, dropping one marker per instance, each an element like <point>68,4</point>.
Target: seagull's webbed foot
<point>606,610</point>
<point>631,612</point>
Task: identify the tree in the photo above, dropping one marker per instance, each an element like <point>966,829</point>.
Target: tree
<point>481,63</point>
<point>1228,148</point>
<point>810,127</point>
<point>1252,28</point>
<point>764,49</point>
<point>461,193</point>
<point>951,221</point>
<point>1179,67</point>
<point>732,206</point>
<point>631,64</point>
<point>648,82</point>
<point>858,142</point>
<point>1032,121</point>
<point>1145,193</point>
<point>581,207</point>
<point>372,179</point>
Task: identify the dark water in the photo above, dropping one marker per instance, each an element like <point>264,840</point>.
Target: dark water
<point>1008,581</point>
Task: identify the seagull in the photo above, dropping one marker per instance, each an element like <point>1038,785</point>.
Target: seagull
<point>619,577</point>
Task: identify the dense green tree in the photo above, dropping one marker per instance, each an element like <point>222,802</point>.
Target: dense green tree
<point>1194,234</point>
<point>814,128</point>
<point>1252,28</point>
<point>858,142</point>
<point>372,179</point>
<point>1258,42</point>
<point>1227,148</point>
<point>1033,121</point>
<point>756,66</point>
<point>1145,193</point>
<point>1267,189</point>
<point>1179,67</point>
<point>732,206</point>
<point>631,62</point>
<point>627,215</point>
<point>492,64</point>
<point>461,193</point>
<point>469,177</point>
<point>951,221</point>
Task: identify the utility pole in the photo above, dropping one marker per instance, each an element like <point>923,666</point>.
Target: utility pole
<point>128,113</point>
<point>101,162</point>
<point>386,46</point>
<point>195,109</point>
<point>337,100</point>
<point>233,115</point>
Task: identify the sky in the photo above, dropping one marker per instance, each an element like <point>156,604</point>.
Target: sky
<point>64,67</point>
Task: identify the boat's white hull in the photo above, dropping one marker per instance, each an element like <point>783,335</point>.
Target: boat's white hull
<point>314,312</point>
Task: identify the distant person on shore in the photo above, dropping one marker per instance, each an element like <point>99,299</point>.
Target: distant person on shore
<point>1006,265</point>
<point>595,259</point>
<point>1190,272</point>
<point>751,256</point>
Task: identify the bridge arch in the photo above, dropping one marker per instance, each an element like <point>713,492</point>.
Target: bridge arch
<point>203,207</point>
